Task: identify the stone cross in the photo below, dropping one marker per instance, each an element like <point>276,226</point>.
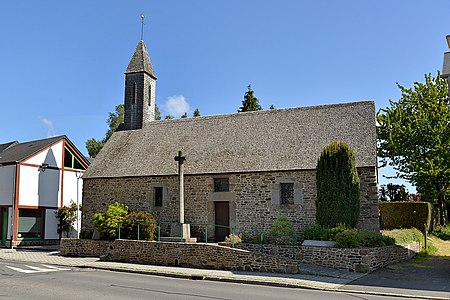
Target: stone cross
<point>180,159</point>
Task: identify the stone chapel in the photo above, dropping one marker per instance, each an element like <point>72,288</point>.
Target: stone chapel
<point>242,170</point>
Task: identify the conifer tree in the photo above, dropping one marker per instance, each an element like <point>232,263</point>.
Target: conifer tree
<point>337,184</point>
<point>250,102</point>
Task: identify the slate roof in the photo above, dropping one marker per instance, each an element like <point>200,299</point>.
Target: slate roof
<point>270,140</point>
<point>13,152</point>
<point>140,62</point>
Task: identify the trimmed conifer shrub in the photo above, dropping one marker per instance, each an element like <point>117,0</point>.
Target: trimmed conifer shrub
<point>337,184</point>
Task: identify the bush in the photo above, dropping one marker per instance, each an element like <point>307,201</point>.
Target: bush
<point>322,233</point>
<point>404,236</point>
<point>229,239</point>
<point>107,223</point>
<point>147,230</point>
<point>337,184</point>
<point>355,238</point>
<point>394,215</point>
<point>442,232</point>
<point>67,216</point>
<point>283,227</point>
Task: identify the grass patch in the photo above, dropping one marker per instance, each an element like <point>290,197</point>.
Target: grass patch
<point>404,236</point>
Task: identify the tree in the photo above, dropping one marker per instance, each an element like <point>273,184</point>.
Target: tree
<point>196,113</point>
<point>250,102</point>
<point>272,106</point>
<point>184,116</point>
<point>67,216</point>
<point>393,192</point>
<point>414,138</point>
<point>337,184</point>
<point>115,118</point>
<point>168,117</point>
<point>157,113</point>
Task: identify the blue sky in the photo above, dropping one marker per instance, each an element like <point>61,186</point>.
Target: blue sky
<point>62,62</point>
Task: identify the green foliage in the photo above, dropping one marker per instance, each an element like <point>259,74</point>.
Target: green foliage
<point>67,216</point>
<point>357,238</point>
<point>93,145</point>
<point>196,113</point>
<point>272,106</point>
<point>405,215</point>
<point>250,102</point>
<point>414,138</point>
<point>404,236</point>
<point>393,192</point>
<point>442,232</point>
<point>147,228</point>
<point>184,116</point>
<point>337,186</point>
<point>157,113</point>
<point>322,233</point>
<point>283,227</point>
<point>168,117</point>
<point>107,222</point>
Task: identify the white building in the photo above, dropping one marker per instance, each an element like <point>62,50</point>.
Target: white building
<point>37,178</point>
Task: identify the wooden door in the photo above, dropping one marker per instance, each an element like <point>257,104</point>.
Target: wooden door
<point>222,217</point>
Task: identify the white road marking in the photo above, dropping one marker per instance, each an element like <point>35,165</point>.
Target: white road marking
<point>33,269</point>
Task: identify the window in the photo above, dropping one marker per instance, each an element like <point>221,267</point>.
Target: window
<point>221,185</point>
<point>158,196</point>
<point>287,193</point>
<point>30,224</point>
<point>133,96</point>
<point>149,95</point>
<point>71,162</point>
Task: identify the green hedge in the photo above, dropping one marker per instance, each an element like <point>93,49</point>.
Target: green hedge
<point>405,215</point>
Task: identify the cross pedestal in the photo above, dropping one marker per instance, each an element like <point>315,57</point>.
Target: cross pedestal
<point>181,231</point>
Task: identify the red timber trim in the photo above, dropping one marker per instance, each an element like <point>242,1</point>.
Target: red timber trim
<point>38,166</point>
<point>16,203</point>
<point>37,207</point>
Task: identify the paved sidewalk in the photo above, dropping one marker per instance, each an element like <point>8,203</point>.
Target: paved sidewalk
<point>319,278</point>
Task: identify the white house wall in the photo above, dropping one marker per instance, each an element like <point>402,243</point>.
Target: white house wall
<point>7,174</point>
<point>51,224</point>
<point>70,187</point>
<point>51,156</point>
<point>39,188</point>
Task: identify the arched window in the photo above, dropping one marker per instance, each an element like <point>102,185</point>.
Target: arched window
<point>149,95</point>
<point>133,96</point>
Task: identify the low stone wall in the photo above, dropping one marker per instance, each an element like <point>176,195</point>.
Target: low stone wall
<point>84,247</point>
<point>363,260</point>
<point>197,255</point>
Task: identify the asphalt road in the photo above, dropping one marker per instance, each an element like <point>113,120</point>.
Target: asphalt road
<point>20,280</point>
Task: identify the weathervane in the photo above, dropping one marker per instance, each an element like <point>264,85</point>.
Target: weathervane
<point>142,27</point>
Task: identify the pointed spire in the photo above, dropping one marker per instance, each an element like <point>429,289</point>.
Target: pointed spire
<point>140,62</point>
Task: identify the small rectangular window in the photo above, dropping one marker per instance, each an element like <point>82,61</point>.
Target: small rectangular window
<point>30,223</point>
<point>287,193</point>
<point>158,196</point>
<point>221,185</point>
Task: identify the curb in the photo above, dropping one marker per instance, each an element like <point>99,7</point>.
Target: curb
<point>261,283</point>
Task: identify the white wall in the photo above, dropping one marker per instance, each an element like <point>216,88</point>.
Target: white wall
<point>51,156</point>
<point>51,224</point>
<point>39,188</point>
<point>7,174</point>
<point>70,193</point>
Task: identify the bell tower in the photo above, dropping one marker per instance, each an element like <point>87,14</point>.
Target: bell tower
<point>140,90</point>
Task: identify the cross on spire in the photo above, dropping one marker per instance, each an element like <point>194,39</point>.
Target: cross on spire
<point>142,26</point>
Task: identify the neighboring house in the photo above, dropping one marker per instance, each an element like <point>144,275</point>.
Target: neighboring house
<point>37,178</point>
<point>243,169</point>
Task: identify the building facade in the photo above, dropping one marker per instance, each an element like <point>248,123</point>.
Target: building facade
<point>36,179</point>
<point>242,170</point>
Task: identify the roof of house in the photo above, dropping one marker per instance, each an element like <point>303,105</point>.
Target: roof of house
<point>270,140</point>
<point>13,152</point>
<point>140,62</point>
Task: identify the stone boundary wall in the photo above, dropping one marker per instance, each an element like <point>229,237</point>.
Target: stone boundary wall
<point>363,260</point>
<point>84,247</point>
<point>197,255</point>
